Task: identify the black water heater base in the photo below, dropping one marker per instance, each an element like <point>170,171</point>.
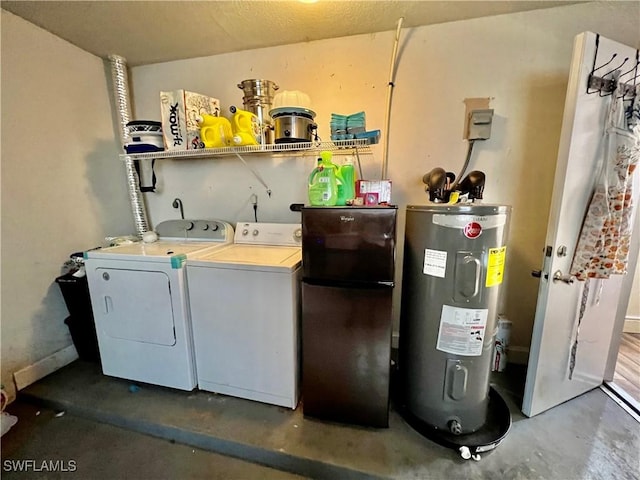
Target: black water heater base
<point>471,445</point>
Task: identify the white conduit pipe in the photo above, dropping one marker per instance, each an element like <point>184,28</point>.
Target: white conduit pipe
<point>123,111</point>
<point>387,120</point>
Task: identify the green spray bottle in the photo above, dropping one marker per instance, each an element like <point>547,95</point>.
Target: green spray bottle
<point>323,184</point>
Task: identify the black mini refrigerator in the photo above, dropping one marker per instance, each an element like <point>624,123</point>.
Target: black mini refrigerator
<point>348,262</point>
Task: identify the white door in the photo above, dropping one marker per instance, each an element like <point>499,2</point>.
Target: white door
<point>561,368</point>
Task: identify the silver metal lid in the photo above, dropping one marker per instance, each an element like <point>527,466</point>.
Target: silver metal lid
<point>470,209</point>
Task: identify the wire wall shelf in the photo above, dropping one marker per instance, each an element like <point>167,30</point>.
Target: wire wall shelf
<point>338,147</point>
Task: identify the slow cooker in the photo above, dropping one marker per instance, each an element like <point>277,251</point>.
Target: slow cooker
<point>294,124</point>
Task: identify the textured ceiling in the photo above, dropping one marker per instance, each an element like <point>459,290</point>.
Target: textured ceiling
<point>147,32</point>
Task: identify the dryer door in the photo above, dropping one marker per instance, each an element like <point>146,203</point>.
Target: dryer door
<point>134,305</point>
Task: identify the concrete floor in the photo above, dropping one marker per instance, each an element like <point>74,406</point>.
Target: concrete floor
<point>113,431</point>
<point>92,450</point>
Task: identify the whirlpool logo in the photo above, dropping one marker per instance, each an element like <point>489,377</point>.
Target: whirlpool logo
<point>345,218</point>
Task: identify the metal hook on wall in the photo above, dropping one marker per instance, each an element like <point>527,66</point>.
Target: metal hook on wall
<point>613,57</point>
<point>635,67</point>
<point>617,68</point>
<point>635,78</point>
<point>614,84</point>
<point>601,83</point>
<point>177,203</point>
<point>629,88</point>
<point>611,84</point>
<point>591,78</point>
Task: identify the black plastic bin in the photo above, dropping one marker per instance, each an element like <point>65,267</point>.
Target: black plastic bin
<point>75,291</point>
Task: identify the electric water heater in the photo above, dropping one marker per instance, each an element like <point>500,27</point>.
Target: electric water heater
<point>454,258</point>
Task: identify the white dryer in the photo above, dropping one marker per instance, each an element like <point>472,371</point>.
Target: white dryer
<point>245,308</point>
<point>140,304</point>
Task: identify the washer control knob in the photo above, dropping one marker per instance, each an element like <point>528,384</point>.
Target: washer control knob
<point>245,232</point>
<point>255,232</point>
<point>215,227</point>
<point>297,234</point>
<point>188,226</point>
<point>205,227</point>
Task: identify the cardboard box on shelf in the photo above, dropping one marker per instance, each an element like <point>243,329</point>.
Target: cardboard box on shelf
<point>180,110</point>
<point>374,191</point>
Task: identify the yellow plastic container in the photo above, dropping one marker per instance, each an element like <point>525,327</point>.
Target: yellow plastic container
<point>245,126</point>
<point>215,132</point>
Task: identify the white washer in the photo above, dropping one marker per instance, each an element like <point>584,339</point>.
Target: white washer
<point>140,304</point>
<point>245,306</point>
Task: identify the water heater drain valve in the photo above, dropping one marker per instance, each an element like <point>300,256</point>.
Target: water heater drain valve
<point>466,454</point>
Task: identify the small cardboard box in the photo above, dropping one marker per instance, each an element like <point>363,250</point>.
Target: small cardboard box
<point>374,191</point>
<point>180,110</point>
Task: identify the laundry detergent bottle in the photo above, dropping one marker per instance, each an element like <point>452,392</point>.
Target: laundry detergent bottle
<point>215,132</point>
<point>346,182</point>
<point>246,127</point>
<point>323,183</point>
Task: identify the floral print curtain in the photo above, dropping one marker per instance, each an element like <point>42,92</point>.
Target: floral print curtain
<point>603,245</point>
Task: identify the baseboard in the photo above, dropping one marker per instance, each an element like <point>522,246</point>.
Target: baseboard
<point>34,372</point>
<point>631,325</point>
<point>518,355</point>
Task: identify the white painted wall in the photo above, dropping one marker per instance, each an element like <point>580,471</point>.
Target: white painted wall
<point>63,187</point>
<point>520,60</point>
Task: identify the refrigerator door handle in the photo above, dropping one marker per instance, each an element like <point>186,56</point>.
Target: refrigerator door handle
<point>348,284</point>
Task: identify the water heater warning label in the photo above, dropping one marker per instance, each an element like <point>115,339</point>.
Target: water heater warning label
<point>462,330</point>
<point>435,263</point>
<point>495,266</point>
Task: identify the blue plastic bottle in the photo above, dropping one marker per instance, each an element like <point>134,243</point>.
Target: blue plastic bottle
<point>323,184</point>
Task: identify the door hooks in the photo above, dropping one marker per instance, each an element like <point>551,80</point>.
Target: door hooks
<point>606,86</point>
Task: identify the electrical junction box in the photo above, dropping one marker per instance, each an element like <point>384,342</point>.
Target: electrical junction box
<point>480,124</point>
